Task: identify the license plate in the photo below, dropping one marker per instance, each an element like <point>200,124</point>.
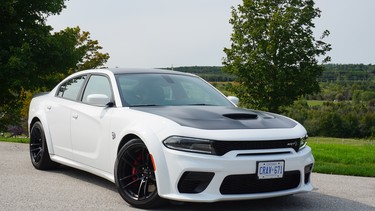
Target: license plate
<point>270,169</point>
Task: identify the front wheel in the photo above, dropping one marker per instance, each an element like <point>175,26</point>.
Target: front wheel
<point>38,148</point>
<point>135,176</point>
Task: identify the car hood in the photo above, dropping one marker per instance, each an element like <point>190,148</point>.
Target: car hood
<point>219,118</point>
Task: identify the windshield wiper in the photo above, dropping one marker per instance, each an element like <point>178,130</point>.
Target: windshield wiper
<point>144,105</point>
<point>200,104</point>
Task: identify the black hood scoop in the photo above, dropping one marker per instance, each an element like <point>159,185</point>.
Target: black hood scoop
<point>219,117</point>
<point>241,116</point>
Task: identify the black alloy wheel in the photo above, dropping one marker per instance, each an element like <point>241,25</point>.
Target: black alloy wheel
<point>38,148</point>
<point>135,176</point>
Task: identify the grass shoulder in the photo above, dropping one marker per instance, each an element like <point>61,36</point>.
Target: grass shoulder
<point>15,139</point>
<point>343,156</point>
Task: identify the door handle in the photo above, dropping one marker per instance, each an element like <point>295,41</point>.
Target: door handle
<point>49,107</point>
<point>75,116</point>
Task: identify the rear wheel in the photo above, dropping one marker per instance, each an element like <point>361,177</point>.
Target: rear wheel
<point>38,148</point>
<point>135,176</point>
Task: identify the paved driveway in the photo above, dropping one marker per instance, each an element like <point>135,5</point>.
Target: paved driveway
<point>24,188</point>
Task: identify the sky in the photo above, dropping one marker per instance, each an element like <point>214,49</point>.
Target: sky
<point>166,33</point>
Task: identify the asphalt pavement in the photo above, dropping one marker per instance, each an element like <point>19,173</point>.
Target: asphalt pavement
<point>24,188</point>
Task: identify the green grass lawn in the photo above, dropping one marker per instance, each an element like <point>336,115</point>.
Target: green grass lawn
<point>344,156</point>
<point>16,140</point>
<point>332,155</point>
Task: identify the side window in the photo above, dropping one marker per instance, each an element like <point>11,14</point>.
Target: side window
<point>70,89</point>
<point>97,84</point>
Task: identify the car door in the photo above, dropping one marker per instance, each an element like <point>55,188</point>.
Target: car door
<point>59,115</point>
<point>90,126</point>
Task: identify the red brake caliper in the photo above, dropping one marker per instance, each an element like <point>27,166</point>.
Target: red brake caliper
<point>136,163</point>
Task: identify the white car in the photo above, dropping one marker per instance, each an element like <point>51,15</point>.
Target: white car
<point>164,135</point>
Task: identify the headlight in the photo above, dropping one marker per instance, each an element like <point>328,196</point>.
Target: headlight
<point>190,144</point>
<point>303,142</point>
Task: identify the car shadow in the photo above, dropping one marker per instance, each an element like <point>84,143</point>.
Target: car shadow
<point>307,201</point>
<point>85,176</point>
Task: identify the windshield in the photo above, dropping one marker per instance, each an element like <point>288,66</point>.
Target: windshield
<point>167,90</point>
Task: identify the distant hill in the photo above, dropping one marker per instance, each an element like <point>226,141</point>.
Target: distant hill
<point>332,73</point>
<point>348,72</point>
<point>209,73</point>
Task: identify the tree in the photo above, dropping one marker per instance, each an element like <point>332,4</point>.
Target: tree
<point>31,56</point>
<point>23,40</point>
<point>34,58</point>
<point>274,53</point>
<point>72,50</point>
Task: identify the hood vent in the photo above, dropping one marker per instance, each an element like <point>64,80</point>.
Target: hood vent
<point>241,116</point>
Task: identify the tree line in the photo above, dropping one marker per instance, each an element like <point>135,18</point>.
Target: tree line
<point>343,74</point>
<point>209,73</point>
<point>335,119</point>
<point>349,73</point>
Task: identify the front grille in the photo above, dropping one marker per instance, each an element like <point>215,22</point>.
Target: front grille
<point>222,147</point>
<point>250,184</point>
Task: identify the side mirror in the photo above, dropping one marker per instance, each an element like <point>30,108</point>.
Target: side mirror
<point>98,99</point>
<point>233,99</point>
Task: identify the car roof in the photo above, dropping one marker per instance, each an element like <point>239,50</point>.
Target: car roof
<point>117,71</point>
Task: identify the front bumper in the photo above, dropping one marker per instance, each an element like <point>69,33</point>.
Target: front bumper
<point>232,176</point>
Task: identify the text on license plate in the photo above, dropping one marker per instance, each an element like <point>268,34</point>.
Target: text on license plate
<point>270,169</point>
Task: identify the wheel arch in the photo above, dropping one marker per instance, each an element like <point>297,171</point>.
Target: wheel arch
<point>42,120</point>
<point>35,119</point>
<point>126,139</point>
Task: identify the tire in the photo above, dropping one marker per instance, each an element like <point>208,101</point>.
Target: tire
<point>135,176</point>
<point>38,149</point>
